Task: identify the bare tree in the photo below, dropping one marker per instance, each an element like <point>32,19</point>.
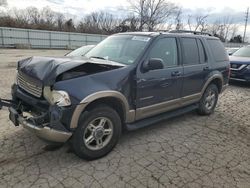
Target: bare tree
<point>223,28</point>
<point>189,22</point>
<point>34,15</point>
<point>234,30</point>
<point>152,12</point>
<point>99,22</point>
<point>178,20</point>
<point>138,7</point>
<point>48,17</point>
<point>60,20</point>
<point>3,3</point>
<point>197,22</point>
<point>227,24</point>
<point>129,23</point>
<point>69,25</point>
<point>21,17</point>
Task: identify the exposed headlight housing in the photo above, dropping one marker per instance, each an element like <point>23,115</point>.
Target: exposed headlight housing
<point>60,98</point>
<point>47,94</point>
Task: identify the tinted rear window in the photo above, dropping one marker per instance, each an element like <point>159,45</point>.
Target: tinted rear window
<point>218,50</point>
<point>191,54</point>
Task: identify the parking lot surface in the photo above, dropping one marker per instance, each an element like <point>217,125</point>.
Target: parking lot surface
<point>187,151</point>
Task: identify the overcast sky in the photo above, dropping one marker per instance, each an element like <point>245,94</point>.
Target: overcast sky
<point>86,6</point>
<point>215,8</point>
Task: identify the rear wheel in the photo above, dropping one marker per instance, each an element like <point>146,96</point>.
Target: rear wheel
<point>97,133</point>
<point>209,100</point>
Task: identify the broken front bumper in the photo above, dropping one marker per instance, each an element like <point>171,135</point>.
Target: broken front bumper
<point>48,122</point>
<point>42,131</point>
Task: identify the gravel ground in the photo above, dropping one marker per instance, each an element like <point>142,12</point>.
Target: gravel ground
<point>9,57</point>
<point>187,151</point>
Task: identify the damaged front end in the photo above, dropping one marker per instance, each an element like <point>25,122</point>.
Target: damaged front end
<point>40,117</point>
<point>41,108</point>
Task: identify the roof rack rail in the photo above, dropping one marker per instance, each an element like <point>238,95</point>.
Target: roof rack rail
<point>187,31</point>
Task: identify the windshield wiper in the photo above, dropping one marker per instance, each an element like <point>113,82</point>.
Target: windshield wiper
<point>97,57</point>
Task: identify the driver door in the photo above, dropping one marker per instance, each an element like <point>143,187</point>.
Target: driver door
<point>160,90</point>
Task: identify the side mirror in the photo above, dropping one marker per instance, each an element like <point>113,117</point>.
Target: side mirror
<point>153,64</point>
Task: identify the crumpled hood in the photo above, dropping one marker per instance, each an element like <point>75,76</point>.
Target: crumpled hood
<point>46,69</point>
<point>241,60</point>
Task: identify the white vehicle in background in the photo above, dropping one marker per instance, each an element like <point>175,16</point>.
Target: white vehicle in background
<point>230,51</point>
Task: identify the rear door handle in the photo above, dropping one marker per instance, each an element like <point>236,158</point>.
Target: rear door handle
<point>175,73</point>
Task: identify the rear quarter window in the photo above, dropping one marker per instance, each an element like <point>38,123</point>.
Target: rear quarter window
<point>218,50</point>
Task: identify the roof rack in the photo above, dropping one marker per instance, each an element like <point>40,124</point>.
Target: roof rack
<point>187,31</point>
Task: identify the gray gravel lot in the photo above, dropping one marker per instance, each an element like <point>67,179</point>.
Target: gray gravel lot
<point>187,151</point>
<point>9,57</point>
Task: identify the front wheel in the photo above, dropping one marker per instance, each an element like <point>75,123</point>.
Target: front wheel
<point>97,133</point>
<point>209,100</point>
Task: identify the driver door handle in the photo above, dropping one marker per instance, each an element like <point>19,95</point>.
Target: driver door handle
<point>175,73</point>
<point>206,68</point>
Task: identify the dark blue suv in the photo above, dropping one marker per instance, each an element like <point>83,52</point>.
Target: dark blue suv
<point>128,81</point>
<point>240,64</point>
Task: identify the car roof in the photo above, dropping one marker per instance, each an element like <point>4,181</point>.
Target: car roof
<point>155,34</point>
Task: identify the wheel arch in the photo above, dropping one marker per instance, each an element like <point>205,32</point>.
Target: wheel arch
<point>216,79</point>
<point>113,99</point>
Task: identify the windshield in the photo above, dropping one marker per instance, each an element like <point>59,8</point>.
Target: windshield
<point>120,48</point>
<point>243,52</point>
<point>80,51</point>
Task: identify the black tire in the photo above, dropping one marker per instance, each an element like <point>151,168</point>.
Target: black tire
<point>204,108</point>
<point>79,146</point>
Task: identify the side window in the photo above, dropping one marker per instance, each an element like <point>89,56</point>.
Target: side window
<point>165,49</point>
<point>218,50</point>
<point>203,57</point>
<point>191,53</point>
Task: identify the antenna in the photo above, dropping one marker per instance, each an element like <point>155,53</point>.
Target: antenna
<point>246,20</point>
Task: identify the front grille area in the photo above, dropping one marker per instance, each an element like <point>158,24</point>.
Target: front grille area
<point>29,86</point>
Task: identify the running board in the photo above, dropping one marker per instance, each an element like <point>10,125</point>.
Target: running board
<point>164,116</point>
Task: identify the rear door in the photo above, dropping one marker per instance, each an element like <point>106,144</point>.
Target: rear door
<point>196,66</point>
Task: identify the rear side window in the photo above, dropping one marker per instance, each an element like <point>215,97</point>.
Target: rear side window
<point>218,50</point>
<point>191,52</point>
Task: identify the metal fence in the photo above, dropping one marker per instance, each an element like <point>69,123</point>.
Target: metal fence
<point>235,45</point>
<point>14,37</point>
